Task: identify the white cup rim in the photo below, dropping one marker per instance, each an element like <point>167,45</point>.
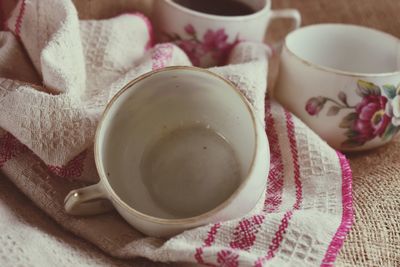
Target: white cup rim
<point>267,6</point>
<point>112,194</point>
<point>334,70</point>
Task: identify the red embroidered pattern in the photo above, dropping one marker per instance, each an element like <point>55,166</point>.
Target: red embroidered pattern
<point>162,54</point>
<point>227,258</point>
<point>207,243</point>
<point>295,158</point>
<point>18,22</point>
<point>275,178</point>
<point>72,169</point>
<point>276,241</point>
<point>9,148</point>
<point>245,233</point>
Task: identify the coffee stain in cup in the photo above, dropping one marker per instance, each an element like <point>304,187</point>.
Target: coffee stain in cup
<point>190,170</point>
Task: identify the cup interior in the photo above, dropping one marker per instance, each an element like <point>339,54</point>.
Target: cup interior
<point>255,5</point>
<point>176,143</point>
<point>346,48</point>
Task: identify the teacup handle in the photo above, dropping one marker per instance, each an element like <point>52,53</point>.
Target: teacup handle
<point>292,14</point>
<point>88,200</point>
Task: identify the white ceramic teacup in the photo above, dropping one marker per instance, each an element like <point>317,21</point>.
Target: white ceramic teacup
<point>176,148</point>
<point>343,81</point>
<point>207,38</point>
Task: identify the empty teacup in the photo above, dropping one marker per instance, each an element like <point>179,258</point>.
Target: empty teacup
<point>176,148</point>
<point>343,81</point>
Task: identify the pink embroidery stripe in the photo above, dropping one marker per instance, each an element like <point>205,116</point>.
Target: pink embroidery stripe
<point>295,158</point>
<point>150,31</point>
<point>207,243</point>
<point>161,56</point>
<point>275,178</point>
<point>277,240</point>
<point>9,148</point>
<point>72,169</point>
<point>347,214</point>
<point>18,22</point>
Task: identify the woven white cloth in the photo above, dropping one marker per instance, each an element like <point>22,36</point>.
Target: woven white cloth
<point>56,76</point>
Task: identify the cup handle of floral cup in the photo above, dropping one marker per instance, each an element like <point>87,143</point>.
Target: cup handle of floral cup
<point>88,200</point>
<point>292,14</point>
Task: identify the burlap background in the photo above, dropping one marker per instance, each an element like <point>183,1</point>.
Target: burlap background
<point>375,237</point>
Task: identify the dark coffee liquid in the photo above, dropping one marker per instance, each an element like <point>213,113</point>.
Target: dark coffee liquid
<point>217,7</point>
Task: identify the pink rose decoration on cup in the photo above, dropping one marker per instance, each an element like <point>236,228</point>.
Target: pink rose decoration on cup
<point>189,29</point>
<point>374,116</point>
<point>371,118</point>
<point>315,104</point>
<point>213,44</point>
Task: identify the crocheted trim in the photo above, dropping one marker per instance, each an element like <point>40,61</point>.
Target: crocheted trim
<point>149,26</point>
<point>18,22</point>
<point>347,214</point>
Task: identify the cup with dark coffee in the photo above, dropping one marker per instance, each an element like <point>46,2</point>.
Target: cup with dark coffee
<point>207,30</point>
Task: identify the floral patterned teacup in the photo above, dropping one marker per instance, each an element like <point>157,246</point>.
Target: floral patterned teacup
<point>343,81</point>
<point>207,39</point>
